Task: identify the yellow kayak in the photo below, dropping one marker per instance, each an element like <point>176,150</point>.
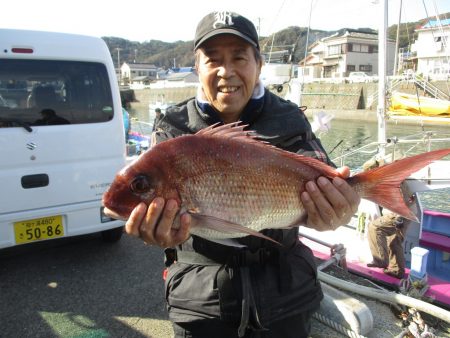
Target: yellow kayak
<point>407,104</point>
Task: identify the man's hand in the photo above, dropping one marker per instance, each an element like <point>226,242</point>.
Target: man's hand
<point>154,224</point>
<point>330,204</point>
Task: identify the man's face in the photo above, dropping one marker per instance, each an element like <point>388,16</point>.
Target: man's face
<point>228,72</point>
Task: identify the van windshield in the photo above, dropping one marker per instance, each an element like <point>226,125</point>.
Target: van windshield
<point>44,92</point>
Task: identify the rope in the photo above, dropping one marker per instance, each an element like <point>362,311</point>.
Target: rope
<point>336,326</point>
<point>414,287</point>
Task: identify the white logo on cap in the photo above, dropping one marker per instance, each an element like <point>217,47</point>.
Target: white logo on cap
<point>224,18</point>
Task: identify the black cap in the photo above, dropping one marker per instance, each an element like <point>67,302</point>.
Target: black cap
<point>216,23</point>
<point>157,110</point>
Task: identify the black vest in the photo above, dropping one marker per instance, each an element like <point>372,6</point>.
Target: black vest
<point>277,121</point>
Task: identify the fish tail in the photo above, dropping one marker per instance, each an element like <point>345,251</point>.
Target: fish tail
<point>382,185</point>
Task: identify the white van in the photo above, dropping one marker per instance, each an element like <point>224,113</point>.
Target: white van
<point>61,136</point>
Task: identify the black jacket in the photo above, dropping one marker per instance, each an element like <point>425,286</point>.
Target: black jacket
<point>282,286</point>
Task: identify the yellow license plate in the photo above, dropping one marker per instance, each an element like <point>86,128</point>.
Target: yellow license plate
<point>38,229</point>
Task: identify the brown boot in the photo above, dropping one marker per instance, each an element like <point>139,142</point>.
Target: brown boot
<point>395,274</point>
<point>375,265</point>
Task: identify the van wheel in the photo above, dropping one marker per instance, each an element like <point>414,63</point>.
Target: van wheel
<point>112,235</point>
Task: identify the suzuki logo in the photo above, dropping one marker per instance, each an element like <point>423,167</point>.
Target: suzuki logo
<point>31,145</point>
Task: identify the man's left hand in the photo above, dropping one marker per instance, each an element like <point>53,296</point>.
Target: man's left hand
<point>330,203</point>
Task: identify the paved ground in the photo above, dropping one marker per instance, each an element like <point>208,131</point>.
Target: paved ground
<point>82,288</point>
<point>86,288</point>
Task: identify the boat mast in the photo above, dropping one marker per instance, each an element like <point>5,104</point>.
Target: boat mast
<point>381,108</point>
<point>395,71</point>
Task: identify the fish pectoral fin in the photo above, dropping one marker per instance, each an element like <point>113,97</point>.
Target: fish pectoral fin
<point>224,226</point>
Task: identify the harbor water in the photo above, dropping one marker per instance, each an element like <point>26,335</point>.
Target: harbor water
<point>348,135</point>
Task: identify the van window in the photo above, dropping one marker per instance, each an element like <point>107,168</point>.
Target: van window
<point>42,92</point>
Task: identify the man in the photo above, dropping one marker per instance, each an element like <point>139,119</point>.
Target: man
<point>247,287</point>
<point>159,116</point>
<point>386,235</point>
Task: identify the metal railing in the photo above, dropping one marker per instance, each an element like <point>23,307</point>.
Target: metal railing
<point>430,88</point>
<point>419,81</point>
<point>426,139</point>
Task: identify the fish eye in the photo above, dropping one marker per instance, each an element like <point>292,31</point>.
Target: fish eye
<point>140,184</point>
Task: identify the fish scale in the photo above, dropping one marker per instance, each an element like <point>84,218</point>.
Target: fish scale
<point>252,205</point>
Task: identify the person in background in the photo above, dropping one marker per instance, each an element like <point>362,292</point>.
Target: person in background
<point>158,117</point>
<point>246,287</point>
<point>126,118</point>
<point>386,234</point>
<point>126,123</point>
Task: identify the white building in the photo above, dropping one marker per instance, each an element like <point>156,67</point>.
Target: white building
<point>177,80</point>
<point>344,52</point>
<point>432,50</point>
<point>141,71</point>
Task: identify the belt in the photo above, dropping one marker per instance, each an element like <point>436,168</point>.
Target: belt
<point>233,257</point>
<point>201,251</point>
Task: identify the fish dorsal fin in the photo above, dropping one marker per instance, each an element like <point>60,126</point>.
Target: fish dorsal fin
<point>235,130</point>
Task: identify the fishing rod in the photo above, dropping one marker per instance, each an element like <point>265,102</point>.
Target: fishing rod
<point>352,146</point>
<point>337,145</point>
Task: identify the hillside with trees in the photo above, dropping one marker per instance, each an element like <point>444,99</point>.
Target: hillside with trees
<point>180,53</point>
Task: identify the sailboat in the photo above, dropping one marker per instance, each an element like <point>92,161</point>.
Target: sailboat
<point>427,243</point>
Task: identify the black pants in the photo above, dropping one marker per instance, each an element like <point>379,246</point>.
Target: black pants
<point>297,326</point>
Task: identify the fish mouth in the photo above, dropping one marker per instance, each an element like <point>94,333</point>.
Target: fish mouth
<point>113,214</point>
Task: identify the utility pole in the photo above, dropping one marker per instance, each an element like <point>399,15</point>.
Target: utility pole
<point>259,26</point>
<point>118,63</point>
<point>135,55</point>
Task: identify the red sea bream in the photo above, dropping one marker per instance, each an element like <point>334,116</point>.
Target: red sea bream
<point>234,185</point>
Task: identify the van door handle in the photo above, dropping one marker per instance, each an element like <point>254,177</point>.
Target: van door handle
<point>34,181</point>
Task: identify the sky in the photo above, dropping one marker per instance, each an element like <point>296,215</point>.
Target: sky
<point>173,20</point>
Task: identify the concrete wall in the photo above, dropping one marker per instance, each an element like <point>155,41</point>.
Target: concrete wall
<point>344,100</point>
<point>316,96</point>
<point>173,95</point>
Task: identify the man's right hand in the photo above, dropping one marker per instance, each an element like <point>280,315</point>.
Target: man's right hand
<point>154,224</point>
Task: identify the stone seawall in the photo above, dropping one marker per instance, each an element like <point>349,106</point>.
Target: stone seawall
<point>315,96</point>
<point>347,101</point>
<point>165,95</point>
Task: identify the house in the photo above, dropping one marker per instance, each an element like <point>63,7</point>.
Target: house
<point>140,82</point>
<point>312,66</point>
<point>181,70</point>
<point>346,51</point>
<point>431,50</point>
<point>177,79</point>
<point>142,71</point>
<point>182,79</point>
